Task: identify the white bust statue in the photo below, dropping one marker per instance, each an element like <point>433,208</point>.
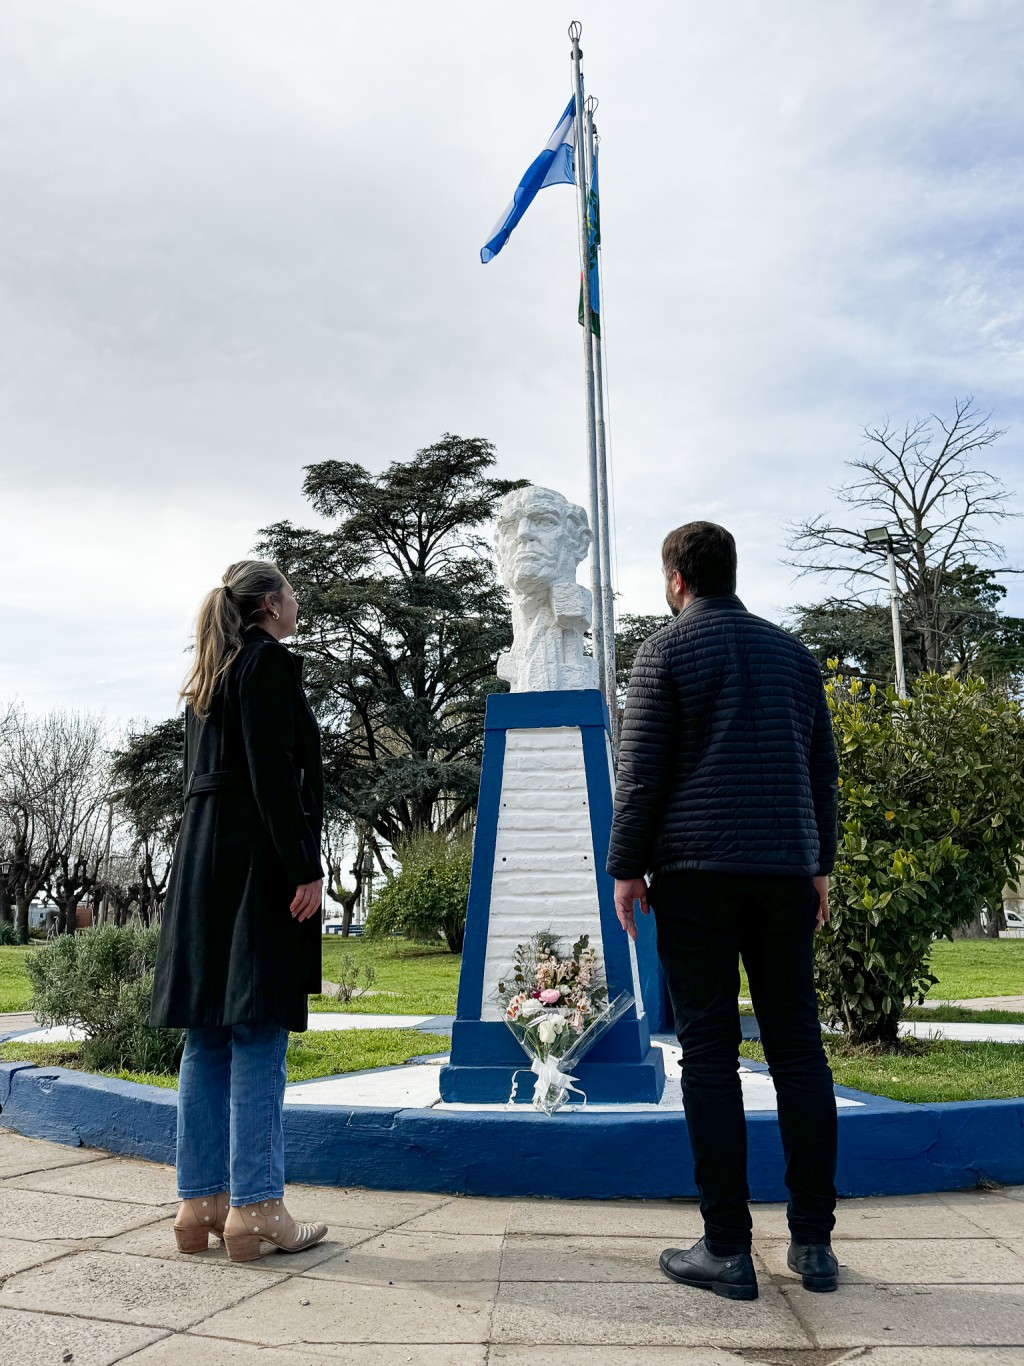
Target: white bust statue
<point>541,538</point>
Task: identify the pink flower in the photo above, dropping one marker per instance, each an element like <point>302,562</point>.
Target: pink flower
<point>550,997</point>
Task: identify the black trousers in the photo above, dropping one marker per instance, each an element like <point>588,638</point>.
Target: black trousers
<point>705,923</point>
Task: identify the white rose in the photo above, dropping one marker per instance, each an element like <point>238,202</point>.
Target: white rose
<point>549,1029</point>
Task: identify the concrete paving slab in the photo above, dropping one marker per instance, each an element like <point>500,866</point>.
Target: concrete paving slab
<point>317,1312</point>
<point>674,1221</point>
<point>617,1356</point>
<point>539,1257</point>
<point>936,1356</point>
<point>134,1182</point>
<point>339,1019</point>
<point>991,1214</point>
<point>982,1032</point>
<point>415,1087</point>
<point>353,1207</point>
<point>42,1339</point>
<point>20,1155</point>
<point>403,1257</point>
<point>1014,1003</point>
<point>16,1254</point>
<point>127,1289</point>
<point>914,1315</point>
<point>641,1315</point>
<point>900,1216</point>
<point>55,1034</point>
<point>911,1261</point>
<point>464,1214</point>
<point>157,1240</point>
<point>41,1215</point>
<point>185,1350</point>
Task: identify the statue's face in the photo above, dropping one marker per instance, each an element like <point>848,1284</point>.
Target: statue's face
<point>533,544</point>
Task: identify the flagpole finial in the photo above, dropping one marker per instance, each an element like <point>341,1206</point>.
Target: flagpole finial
<point>591,104</point>
<point>576,31</point>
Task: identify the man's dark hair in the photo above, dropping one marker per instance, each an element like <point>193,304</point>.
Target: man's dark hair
<point>705,556</point>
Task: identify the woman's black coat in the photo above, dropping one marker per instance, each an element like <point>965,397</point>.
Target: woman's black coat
<point>230,951</point>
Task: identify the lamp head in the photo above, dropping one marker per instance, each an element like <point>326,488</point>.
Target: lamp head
<point>876,535</point>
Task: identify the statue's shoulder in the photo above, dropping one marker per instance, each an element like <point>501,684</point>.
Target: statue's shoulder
<point>571,602</point>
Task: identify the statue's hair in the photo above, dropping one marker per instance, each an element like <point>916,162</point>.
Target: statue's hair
<point>574,517</point>
<point>236,602</point>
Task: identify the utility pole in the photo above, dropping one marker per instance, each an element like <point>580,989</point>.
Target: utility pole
<point>875,537</point>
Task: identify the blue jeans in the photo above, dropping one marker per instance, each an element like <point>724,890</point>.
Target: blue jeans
<point>230,1111</point>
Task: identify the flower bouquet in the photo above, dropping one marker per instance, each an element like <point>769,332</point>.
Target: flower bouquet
<point>557,1007</point>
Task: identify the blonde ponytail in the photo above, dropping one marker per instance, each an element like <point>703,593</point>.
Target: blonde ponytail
<point>235,603</point>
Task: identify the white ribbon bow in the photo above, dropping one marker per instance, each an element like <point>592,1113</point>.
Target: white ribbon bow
<point>549,1077</point>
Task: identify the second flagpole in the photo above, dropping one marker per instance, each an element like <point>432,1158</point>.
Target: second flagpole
<point>582,160</point>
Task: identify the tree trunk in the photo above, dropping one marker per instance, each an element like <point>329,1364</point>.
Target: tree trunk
<point>884,1030</point>
<point>348,907</point>
<point>21,920</point>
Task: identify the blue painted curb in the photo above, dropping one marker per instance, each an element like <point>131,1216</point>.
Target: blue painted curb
<point>885,1147</point>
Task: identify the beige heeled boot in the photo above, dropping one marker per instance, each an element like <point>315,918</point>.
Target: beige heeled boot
<point>248,1226</point>
<point>197,1219</point>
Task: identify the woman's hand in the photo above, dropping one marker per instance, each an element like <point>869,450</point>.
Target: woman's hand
<point>307,899</point>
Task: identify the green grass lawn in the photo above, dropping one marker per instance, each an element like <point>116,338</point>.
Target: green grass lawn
<point>963,1015</point>
<point>967,968</point>
<point>320,1054</point>
<point>15,991</point>
<point>411,979</point>
<point>931,1070</point>
<point>977,967</point>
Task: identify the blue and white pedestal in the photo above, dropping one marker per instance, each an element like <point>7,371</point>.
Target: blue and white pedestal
<point>543,823</point>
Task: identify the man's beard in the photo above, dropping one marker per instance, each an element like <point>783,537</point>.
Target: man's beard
<point>673,606</point>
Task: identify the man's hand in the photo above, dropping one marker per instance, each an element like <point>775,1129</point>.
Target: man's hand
<point>307,899</point>
<point>821,887</point>
<point>628,891</point>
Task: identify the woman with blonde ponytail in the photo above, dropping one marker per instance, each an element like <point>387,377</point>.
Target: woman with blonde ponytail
<point>241,936</point>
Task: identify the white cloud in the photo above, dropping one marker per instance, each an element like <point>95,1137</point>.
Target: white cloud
<point>236,239</point>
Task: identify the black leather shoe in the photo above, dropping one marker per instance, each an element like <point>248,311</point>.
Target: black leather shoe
<point>816,1265</point>
<point>731,1277</point>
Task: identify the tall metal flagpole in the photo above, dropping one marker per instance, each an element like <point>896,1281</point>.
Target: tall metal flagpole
<point>597,589</point>
<point>604,539</point>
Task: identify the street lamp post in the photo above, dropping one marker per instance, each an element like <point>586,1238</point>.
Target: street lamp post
<point>882,536</point>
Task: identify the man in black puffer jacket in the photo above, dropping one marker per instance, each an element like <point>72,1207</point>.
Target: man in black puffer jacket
<point>726,797</point>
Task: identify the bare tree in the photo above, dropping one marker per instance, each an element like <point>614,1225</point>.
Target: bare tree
<point>923,477</point>
<point>52,780</point>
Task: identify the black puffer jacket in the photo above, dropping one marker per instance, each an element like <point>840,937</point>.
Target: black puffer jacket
<point>727,761</point>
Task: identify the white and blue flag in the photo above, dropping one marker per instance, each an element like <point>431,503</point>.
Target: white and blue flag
<point>554,166</point>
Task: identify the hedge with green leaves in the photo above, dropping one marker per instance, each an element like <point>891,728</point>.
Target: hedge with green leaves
<point>427,899</point>
<point>101,980</point>
<point>931,821</point>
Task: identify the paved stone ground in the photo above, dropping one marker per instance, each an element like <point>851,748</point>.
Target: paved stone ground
<point>89,1275</point>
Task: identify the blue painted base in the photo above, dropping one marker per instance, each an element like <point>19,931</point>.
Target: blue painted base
<point>885,1148</point>
<point>622,1066</point>
<point>485,1055</point>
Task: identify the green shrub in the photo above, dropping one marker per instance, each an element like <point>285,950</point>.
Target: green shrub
<point>427,899</point>
<point>931,820</point>
<point>101,981</point>
<point>8,934</point>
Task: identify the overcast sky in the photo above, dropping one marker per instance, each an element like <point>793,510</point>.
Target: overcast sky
<point>238,237</point>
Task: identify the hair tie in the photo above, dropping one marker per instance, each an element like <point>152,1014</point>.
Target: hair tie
<point>228,591</point>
